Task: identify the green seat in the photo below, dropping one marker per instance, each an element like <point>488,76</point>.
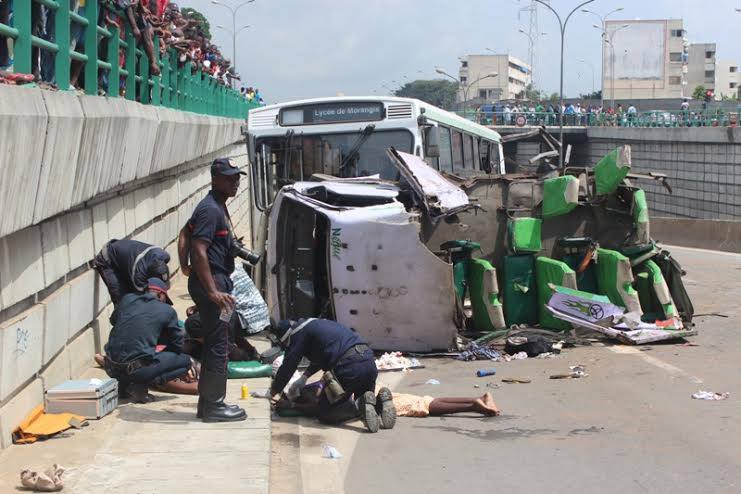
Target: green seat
<point>610,171</point>
<point>524,234</point>
<point>615,279</point>
<point>520,290</point>
<point>653,293</point>
<point>640,217</point>
<point>560,195</point>
<point>586,281</point>
<point>550,271</point>
<point>484,293</point>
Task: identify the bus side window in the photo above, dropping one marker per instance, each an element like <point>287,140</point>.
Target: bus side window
<point>476,159</point>
<point>457,150</point>
<point>446,161</point>
<point>468,151</point>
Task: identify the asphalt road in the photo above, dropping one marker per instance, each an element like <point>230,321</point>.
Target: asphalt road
<point>630,426</point>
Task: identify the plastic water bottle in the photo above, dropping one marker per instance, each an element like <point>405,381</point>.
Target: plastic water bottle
<point>486,372</point>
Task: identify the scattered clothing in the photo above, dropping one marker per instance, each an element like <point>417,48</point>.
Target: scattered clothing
<point>710,396</point>
<point>48,481</point>
<point>40,425</point>
<point>476,352</point>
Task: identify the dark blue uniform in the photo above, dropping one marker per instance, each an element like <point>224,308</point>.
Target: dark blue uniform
<point>126,265</point>
<point>210,224</point>
<point>329,345</point>
<point>140,322</point>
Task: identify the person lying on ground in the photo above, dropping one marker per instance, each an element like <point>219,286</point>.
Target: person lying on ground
<point>405,405</point>
<point>139,322</point>
<point>239,348</point>
<point>347,361</point>
<point>126,265</point>
<point>186,384</point>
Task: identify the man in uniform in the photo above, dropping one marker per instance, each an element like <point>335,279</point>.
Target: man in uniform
<point>126,265</point>
<point>210,235</point>
<point>349,371</point>
<point>142,320</point>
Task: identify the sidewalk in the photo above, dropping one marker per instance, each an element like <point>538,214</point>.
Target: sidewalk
<point>158,447</point>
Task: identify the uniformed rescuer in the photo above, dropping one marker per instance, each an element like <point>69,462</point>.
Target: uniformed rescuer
<point>209,235</point>
<point>349,371</point>
<point>143,320</point>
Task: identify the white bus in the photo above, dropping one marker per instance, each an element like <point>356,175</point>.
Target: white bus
<point>348,137</point>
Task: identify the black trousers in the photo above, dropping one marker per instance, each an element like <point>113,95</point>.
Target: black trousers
<point>163,367</point>
<point>215,332</point>
<point>357,374</point>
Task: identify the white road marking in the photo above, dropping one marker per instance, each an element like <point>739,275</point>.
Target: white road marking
<point>656,362</point>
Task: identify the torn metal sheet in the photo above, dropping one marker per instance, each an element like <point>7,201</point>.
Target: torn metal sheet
<point>439,195</point>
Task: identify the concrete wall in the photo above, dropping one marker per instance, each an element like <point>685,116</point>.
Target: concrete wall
<point>76,171</point>
<point>703,166</point>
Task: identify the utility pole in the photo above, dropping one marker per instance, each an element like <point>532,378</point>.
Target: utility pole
<point>234,11</point>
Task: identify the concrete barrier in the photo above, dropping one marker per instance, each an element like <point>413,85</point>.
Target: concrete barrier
<point>21,342</point>
<point>55,250</point>
<point>18,409</point>
<point>21,265</point>
<point>57,322</point>
<point>722,235</point>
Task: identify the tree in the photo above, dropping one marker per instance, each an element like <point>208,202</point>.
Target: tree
<point>594,95</point>
<point>194,14</point>
<point>554,98</point>
<point>438,92</point>
<point>532,94</point>
<point>699,92</point>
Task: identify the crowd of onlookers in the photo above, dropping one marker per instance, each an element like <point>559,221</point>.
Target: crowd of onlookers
<point>542,113</point>
<point>186,34</point>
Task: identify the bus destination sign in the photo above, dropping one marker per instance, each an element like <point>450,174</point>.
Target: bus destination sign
<point>332,113</point>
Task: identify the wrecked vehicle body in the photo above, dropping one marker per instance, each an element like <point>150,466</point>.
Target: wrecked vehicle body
<point>411,260</point>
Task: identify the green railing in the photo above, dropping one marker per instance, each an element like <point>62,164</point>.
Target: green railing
<point>656,118</point>
<point>177,88</point>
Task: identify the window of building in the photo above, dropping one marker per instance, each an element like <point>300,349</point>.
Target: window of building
<point>675,56</point>
<point>710,74</point>
<point>483,93</point>
<point>446,160</point>
<point>733,85</point>
<point>463,79</point>
<point>732,69</point>
<point>457,146</point>
<point>675,80</point>
<point>464,63</point>
<point>677,33</point>
<point>709,54</point>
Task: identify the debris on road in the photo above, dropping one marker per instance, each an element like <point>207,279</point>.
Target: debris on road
<point>395,361</point>
<point>577,371</point>
<point>486,372</point>
<point>48,481</point>
<point>516,356</point>
<point>710,396</point>
<point>432,381</point>
<point>531,344</point>
<point>474,351</point>
<point>516,380</point>
<point>40,425</point>
<point>331,452</point>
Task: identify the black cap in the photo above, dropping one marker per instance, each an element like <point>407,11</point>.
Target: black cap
<point>222,166</point>
<point>157,285</point>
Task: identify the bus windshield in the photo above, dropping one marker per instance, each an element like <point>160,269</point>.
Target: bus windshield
<point>296,157</point>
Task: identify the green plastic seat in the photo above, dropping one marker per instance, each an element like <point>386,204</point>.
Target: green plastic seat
<point>610,171</point>
<point>640,217</point>
<point>615,279</point>
<point>550,271</point>
<point>560,195</point>
<point>653,293</point>
<point>484,292</point>
<point>520,290</point>
<point>524,234</point>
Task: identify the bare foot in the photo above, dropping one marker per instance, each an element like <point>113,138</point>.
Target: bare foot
<point>489,403</point>
<point>99,359</point>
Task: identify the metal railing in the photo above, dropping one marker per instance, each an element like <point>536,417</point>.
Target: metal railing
<point>177,88</point>
<point>658,118</point>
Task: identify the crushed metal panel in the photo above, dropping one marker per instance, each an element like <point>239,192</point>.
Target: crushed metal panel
<point>439,195</point>
<point>387,285</point>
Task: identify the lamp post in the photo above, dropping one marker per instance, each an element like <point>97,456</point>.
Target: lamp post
<point>234,11</point>
<point>530,50</point>
<point>591,66</point>
<point>466,87</point>
<point>610,41</point>
<point>603,21</point>
<point>560,91</point>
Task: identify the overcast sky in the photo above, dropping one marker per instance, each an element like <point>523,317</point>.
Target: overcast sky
<point>310,48</point>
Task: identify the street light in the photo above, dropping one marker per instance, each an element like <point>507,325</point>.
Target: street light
<point>466,87</point>
<point>612,57</point>
<point>603,23</point>
<point>591,66</point>
<point>530,51</point>
<point>234,11</point>
<point>560,91</point>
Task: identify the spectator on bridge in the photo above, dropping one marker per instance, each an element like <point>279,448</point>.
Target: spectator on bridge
<point>632,115</point>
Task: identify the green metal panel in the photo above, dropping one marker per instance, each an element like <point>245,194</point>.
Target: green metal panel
<point>156,79</point>
<point>22,47</point>
<point>91,47</point>
<point>144,84</point>
<point>130,64</point>
<point>62,36</point>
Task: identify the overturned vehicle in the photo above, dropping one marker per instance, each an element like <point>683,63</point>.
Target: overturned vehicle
<point>410,261</point>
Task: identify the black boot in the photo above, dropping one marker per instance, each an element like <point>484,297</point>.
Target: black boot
<point>212,391</point>
<point>385,408</point>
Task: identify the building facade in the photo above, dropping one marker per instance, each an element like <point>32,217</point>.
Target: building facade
<point>513,77</point>
<point>727,80</point>
<point>644,59</point>
<point>701,69</point>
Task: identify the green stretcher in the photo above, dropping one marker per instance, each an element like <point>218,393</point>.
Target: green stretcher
<point>520,290</point>
<point>481,280</point>
<point>550,271</point>
<point>615,279</point>
<point>560,195</point>
<point>611,170</point>
<point>248,369</point>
